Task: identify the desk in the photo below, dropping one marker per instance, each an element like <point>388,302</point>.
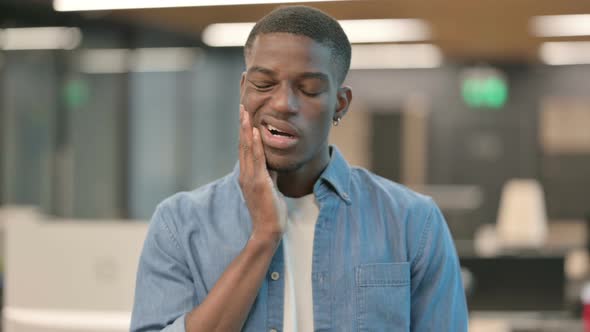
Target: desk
<point>523,283</point>
<point>502,321</point>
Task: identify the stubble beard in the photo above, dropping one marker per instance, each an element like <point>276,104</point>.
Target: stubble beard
<point>285,167</point>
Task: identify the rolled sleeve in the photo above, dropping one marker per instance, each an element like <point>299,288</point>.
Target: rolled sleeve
<point>164,290</point>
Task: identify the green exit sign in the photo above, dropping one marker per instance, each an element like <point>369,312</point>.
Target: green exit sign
<point>484,88</point>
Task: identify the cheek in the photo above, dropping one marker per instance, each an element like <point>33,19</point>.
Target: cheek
<point>321,111</point>
<point>319,119</point>
<point>252,100</point>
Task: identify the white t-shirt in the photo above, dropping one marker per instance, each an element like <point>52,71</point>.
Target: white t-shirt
<point>298,250</point>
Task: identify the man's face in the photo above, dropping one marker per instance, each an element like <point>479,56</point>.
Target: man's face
<point>290,90</point>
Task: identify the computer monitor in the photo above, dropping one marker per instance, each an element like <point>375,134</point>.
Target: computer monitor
<point>523,283</point>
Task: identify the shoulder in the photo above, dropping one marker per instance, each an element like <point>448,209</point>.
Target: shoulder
<point>387,191</point>
<point>185,209</point>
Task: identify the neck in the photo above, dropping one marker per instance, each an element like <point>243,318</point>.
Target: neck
<point>300,182</point>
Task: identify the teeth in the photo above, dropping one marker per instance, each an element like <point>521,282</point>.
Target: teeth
<point>275,129</point>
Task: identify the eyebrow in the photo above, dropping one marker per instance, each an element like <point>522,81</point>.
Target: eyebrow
<point>316,75</point>
<point>273,74</point>
<point>262,70</point>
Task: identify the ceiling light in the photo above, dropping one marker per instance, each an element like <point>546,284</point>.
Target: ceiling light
<point>358,31</point>
<point>227,34</point>
<point>156,59</point>
<point>561,25</point>
<point>46,38</point>
<point>386,56</point>
<point>84,5</point>
<point>104,61</point>
<point>166,59</point>
<point>565,53</point>
<point>386,30</point>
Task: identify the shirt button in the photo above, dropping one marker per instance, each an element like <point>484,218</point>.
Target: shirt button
<point>275,276</point>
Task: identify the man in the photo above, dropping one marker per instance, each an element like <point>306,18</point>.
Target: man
<point>294,239</point>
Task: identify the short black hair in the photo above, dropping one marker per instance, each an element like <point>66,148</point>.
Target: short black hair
<point>309,22</point>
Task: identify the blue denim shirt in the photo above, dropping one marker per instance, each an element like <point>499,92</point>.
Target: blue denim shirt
<point>383,258</point>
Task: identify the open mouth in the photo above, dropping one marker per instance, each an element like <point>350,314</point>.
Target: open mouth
<point>280,136</point>
<point>276,132</point>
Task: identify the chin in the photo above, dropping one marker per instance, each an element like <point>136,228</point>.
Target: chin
<point>283,164</point>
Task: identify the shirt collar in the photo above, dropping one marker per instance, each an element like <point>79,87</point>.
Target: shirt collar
<point>336,175</point>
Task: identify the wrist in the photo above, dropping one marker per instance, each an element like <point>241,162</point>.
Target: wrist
<point>269,240</point>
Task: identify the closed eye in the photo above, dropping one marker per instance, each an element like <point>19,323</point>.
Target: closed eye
<point>313,86</point>
<point>312,90</point>
<point>311,93</point>
<point>262,86</point>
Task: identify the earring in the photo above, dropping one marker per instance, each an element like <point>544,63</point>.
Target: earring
<point>336,122</point>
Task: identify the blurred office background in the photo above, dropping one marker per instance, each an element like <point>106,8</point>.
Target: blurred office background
<point>483,105</point>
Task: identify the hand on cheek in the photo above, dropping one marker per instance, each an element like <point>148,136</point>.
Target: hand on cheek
<point>265,203</point>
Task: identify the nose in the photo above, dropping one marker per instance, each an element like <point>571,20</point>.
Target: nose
<point>285,99</point>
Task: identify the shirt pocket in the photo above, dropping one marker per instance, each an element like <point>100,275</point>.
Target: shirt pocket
<point>383,297</point>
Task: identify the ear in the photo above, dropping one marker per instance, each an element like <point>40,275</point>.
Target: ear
<point>344,96</point>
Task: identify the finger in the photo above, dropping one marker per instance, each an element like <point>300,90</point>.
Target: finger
<point>241,154</point>
<point>250,142</point>
<point>259,160</point>
<point>245,143</point>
